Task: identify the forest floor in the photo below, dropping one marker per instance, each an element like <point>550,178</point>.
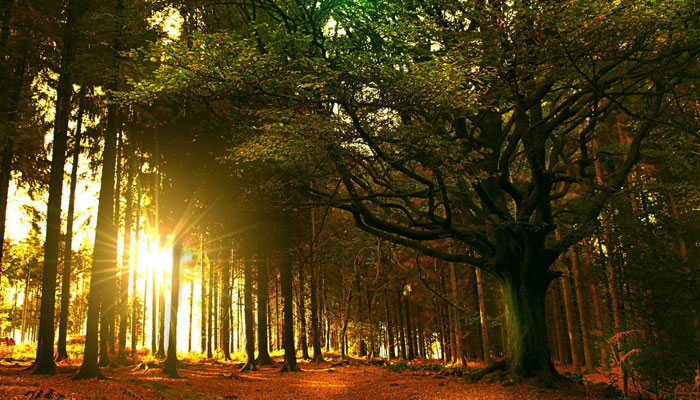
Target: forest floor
<point>221,380</point>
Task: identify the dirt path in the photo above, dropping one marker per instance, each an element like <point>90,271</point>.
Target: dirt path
<point>220,381</point>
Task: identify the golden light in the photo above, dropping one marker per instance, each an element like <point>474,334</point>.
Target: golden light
<point>152,258</point>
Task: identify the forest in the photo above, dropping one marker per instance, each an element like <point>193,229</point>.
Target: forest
<point>349,199</point>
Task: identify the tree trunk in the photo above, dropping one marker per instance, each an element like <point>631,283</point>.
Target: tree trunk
<point>570,324</point>
<point>587,354</point>
<point>249,332</point>
<point>170,367</point>
<point>5,176</point>
<point>134,295</point>
<point>596,307</point>
<point>457,348</point>
<point>315,328</point>
<point>44,363</point>
<point>154,311</point>
<point>390,351</point>
<point>302,315</point>
<point>104,250</point>
<point>25,304</point>
<point>210,309</point>
<point>290,358</point>
<point>399,312</point>
<point>161,317</point>
<point>189,325</point>
<point>409,330</point>
<point>557,324</point>
<point>124,285</point>
<point>113,286</point>
<point>203,315</point>
<point>486,343</point>
<point>226,305</point>
<point>263,353</point>
<point>68,242</point>
<point>527,353</point>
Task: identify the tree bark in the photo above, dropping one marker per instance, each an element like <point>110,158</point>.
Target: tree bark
<point>263,345</point>
<point>249,332</point>
<point>210,309</point>
<point>486,343</point>
<point>189,325</point>
<point>390,351</point>
<point>161,317</point>
<point>457,348</point>
<point>290,359</point>
<point>170,367</point>
<point>596,306</point>
<point>68,242</point>
<point>134,296</point>
<point>104,250</point>
<point>126,258</point>
<point>203,315</point>
<point>409,329</point>
<point>44,363</point>
<point>302,315</point>
<point>399,312</point>
<point>587,354</point>
<point>225,305</point>
<point>570,324</point>
<point>527,353</point>
<point>154,311</point>
<point>561,353</point>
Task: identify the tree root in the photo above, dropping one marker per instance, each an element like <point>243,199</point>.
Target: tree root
<point>287,367</point>
<point>249,366</point>
<point>265,360</point>
<point>499,372</point>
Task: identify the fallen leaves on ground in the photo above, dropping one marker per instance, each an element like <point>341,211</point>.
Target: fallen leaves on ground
<point>221,380</point>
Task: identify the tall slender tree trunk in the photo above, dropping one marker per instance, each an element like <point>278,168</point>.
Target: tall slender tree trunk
<point>390,350</point>
<point>278,328</point>
<point>249,332</point>
<point>204,314</point>
<point>557,324</point>
<point>315,328</point>
<point>225,304</point>
<point>210,309</point>
<point>302,315</point>
<point>161,317</point>
<point>485,340</point>
<point>134,296</point>
<point>126,257</point>
<point>25,304</point>
<point>44,363</point>
<point>68,242</point>
<point>113,287</point>
<point>189,326</point>
<point>399,312</point>
<point>587,354</point>
<point>290,357</point>
<point>596,306</point>
<point>573,337</point>
<point>14,82</point>
<point>457,348</point>
<point>609,268</point>
<point>409,330</point>
<point>170,366</point>
<point>263,353</point>
<point>154,311</point>
<point>104,250</point>
<point>5,176</point>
